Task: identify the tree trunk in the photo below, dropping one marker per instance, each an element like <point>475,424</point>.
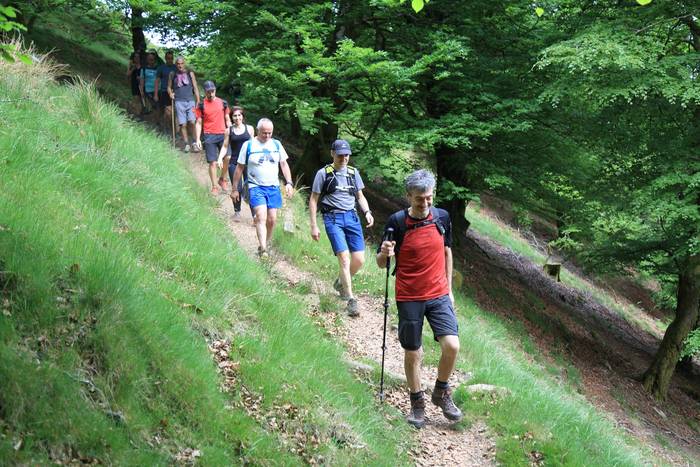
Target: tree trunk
<point>658,377</point>
<point>138,39</point>
<point>317,152</point>
<point>455,207</point>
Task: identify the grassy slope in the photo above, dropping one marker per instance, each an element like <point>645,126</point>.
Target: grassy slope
<point>113,275</point>
<point>543,416</point>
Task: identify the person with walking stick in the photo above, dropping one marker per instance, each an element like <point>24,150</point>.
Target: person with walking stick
<point>422,246</point>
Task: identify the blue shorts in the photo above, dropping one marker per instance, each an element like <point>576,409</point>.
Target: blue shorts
<point>344,231</point>
<point>439,313</point>
<point>265,195</point>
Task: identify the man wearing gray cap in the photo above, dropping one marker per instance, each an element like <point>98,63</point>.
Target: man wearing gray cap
<point>336,189</point>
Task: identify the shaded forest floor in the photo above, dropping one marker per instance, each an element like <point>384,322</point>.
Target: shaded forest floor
<point>603,366</point>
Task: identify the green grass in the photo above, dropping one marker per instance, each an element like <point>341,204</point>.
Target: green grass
<point>545,415</point>
<point>510,238</point>
<point>114,277</point>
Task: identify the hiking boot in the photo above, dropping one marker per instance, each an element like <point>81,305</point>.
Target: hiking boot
<point>443,399</point>
<point>351,309</point>
<point>187,148</point>
<point>416,416</point>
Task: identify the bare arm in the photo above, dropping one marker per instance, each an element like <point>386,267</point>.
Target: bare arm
<point>170,86</point>
<point>195,87</point>
<point>448,272</point>
<point>313,207</point>
<point>287,177</point>
<point>364,207</point>
<point>198,131</point>
<point>223,150</point>
<point>235,194</point>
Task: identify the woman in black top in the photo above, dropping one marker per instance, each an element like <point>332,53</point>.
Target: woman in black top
<point>239,133</point>
<point>133,72</point>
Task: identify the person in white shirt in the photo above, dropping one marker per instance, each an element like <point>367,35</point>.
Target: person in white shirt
<point>264,157</point>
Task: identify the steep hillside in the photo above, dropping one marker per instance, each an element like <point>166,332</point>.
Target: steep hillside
<point>129,294</point>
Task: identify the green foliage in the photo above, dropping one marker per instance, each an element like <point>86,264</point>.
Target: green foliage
<point>691,345</point>
<point>8,52</point>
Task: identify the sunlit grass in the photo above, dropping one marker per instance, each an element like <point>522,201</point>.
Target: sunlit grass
<point>115,279</point>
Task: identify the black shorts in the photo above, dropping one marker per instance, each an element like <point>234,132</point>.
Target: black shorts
<point>212,145</point>
<point>164,100</point>
<point>439,313</point>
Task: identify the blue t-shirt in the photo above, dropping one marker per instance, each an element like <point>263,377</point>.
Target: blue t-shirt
<point>163,72</point>
<point>148,76</point>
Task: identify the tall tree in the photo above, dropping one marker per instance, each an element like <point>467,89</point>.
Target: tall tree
<point>629,73</point>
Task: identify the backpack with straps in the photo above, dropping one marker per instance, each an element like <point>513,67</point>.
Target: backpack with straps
<point>402,227</point>
<point>248,152</point>
<point>201,108</point>
<point>330,183</point>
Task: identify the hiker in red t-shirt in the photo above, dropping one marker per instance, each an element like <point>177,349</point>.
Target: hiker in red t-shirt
<point>213,118</point>
<point>424,289</point>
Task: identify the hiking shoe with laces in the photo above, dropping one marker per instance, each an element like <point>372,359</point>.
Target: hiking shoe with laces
<point>443,399</point>
<point>416,416</point>
<point>352,308</point>
<point>187,148</point>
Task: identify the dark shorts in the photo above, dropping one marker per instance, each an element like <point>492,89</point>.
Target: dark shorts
<point>438,312</point>
<point>164,100</point>
<point>212,145</point>
<point>344,231</point>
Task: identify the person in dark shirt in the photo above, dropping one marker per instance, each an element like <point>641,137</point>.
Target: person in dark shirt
<point>423,250</point>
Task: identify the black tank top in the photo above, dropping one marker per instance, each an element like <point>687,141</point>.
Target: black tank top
<point>236,142</point>
<point>136,72</point>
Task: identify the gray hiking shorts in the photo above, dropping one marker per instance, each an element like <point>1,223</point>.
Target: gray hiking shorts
<point>184,111</point>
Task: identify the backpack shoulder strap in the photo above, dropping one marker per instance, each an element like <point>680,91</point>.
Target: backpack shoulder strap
<point>277,144</point>
<point>247,150</point>
<point>399,233</point>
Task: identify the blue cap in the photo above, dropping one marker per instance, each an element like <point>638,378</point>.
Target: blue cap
<point>341,147</point>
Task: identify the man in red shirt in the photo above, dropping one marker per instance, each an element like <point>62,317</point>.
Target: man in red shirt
<point>212,117</point>
<point>424,289</point>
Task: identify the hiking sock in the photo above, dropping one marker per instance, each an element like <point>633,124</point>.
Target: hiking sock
<point>441,384</point>
<point>416,396</point>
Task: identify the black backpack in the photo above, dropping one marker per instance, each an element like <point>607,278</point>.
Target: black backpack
<point>330,183</point>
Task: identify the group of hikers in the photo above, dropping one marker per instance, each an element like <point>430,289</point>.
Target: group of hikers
<point>249,164</point>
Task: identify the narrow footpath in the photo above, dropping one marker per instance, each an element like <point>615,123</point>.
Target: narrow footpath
<point>438,443</point>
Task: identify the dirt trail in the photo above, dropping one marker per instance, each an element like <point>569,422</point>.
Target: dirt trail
<point>438,444</point>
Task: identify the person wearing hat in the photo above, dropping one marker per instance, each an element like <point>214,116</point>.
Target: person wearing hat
<point>336,190</point>
<point>212,128</point>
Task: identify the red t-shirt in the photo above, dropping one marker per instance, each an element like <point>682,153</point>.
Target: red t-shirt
<point>420,274</point>
<point>213,121</point>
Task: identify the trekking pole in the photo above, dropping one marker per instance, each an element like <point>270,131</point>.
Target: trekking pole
<point>387,237</point>
<point>172,118</point>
